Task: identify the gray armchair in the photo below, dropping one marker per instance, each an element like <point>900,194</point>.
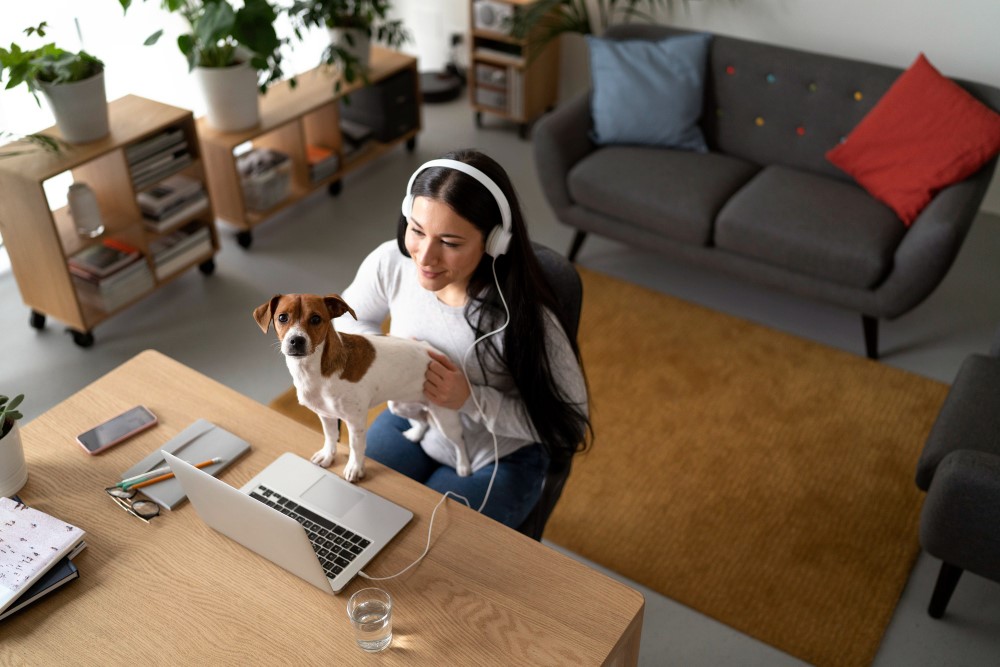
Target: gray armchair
<point>960,471</point>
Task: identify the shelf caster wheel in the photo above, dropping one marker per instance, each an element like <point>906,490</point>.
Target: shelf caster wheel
<point>37,320</point>
<point>244,239</point>
<point>411,144</point>
<point>208,266</point>
<point>479,119</point>
<point>82,338</point>
<point>335,188</point>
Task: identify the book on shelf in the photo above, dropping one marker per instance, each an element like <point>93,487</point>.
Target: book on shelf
<point>179,248</point>
<point>323,162</point>
<point>187,208</point>
<point>103,259</point>
<point>33,542</point>
<point>168,193</point>
<point>112,293</point>
<point>175,164</point>
<point>159,142</point>
<point>156,162</point>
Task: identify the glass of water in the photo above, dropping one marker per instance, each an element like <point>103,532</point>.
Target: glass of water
<point>370,611</point>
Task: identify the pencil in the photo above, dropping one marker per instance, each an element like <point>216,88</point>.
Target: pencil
<point>169,475</point>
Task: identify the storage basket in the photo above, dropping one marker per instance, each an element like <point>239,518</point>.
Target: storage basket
<point>266,177</point>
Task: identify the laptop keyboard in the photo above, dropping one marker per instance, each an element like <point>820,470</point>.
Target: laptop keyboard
<point>335,546</point>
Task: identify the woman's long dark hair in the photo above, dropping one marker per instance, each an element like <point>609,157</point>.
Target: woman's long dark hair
<point>563,427</point>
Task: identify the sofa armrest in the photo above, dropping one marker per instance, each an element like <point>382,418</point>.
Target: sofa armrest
<point>561,139</point>
<point>931,244</point>
<point>958,522</point>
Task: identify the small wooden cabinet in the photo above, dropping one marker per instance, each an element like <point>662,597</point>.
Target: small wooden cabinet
<point>297,122</point>
<point>39,238</point>
<point>506,78</point>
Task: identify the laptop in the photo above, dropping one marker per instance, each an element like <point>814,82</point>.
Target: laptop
<point>299,516</point>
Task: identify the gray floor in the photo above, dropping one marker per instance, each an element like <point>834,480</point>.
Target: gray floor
<point>316,247</point>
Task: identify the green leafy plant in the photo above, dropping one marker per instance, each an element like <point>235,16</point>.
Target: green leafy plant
<point>541,22</point>
<point>367,16</point>
<point>47,64</point>
<point>8,413</point>
<point>19,145</point>
<point>220,35</point>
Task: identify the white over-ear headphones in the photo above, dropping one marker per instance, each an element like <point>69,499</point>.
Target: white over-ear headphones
<point>499,238</point>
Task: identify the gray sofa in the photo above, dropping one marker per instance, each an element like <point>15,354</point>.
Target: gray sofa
<point>763,204</point>
<point>959,469</point>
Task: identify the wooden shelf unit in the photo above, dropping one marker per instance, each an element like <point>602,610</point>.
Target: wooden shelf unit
<point>291,118</point>
<point>505,78</point>
<point>39,239</point>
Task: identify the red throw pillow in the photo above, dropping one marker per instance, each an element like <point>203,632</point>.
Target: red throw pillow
<point>926,133</point>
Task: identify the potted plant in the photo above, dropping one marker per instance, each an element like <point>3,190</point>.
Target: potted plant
<point>353,26</point>
<point>13,472</point>
<point>73,84</point>
<point>234,53</point>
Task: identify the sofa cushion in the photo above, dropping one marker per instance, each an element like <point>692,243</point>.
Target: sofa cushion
<point>675,193</point>
<point>649,93</point>
<point>924,134</point>
<point>818,226</point>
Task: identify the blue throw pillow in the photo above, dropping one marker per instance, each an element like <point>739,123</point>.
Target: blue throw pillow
<point>649,93</point>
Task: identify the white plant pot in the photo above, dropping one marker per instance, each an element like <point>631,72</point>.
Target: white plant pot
<point>13,470</point>
<point>230,95</point>
<point>80,108</point>
<point>361,47</point>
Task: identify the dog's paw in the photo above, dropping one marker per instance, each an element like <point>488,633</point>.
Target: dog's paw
<point>323,458</point>
<point>354,471</point>
<point>463,469</point>
<point>416,431</point>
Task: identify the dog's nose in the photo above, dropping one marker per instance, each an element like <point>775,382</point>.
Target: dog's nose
<point>297,344</point>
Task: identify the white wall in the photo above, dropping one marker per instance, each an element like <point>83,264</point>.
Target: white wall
<point>960,37</point>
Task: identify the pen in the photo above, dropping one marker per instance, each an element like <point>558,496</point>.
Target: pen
<point>158,475</point>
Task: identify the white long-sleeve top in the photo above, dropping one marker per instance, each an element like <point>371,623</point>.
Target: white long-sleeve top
<point>386,284</point>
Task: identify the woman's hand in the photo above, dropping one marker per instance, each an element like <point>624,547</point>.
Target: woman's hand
<point>444,383</point>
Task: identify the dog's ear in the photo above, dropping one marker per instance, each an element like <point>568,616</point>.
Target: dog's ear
<point>264,313</point>
<point>337,306</point>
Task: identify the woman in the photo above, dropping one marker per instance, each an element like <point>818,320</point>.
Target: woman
<point>462,275</point>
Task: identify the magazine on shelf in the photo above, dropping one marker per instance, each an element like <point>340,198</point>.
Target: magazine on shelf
<point>156,162</point>
<point>125,275</point>
<point>171,167</point>
<point>168,193</point>
<point>168,219</point>
<point>33,543</point>
<point>108,296</point>
<point>102,259</point>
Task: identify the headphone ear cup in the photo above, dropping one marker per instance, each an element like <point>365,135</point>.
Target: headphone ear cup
<point>498,241</point>
<point>407,207</point>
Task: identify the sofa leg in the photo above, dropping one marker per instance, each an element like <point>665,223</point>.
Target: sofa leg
<point>575,246</point>
<point>870,326</point>
<point>945,586</point>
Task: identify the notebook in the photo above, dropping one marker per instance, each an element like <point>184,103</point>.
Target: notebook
<point>200,441</point>
<point>297,515</point>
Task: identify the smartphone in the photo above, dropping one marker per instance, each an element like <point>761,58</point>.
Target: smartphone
<point>116,430</point>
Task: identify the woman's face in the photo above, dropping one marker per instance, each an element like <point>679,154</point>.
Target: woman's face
<point>445,247</point>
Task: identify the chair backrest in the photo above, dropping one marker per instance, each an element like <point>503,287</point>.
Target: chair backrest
<point>565,282</point>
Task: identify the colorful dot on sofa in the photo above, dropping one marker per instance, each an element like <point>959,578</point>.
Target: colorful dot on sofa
<point>801,131</point>
<point>813,87</point>
<point>759,120</point>
<point>771,78</point>
<point>730,70</point>
<point>858,96</point>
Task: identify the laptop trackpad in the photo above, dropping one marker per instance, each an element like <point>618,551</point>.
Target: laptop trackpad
<point>332,495</point>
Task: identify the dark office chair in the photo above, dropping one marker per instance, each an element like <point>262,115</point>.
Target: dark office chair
<point>566,284</point>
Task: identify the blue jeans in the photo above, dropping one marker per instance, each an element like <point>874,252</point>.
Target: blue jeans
<point>516,489</point>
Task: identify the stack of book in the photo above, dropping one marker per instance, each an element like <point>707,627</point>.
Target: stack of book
<point>110,274</point>
<point>180,248</point>
<point>357,137</point>
<point>37,554</point>
<point>150,160</point>
<point>170,201</point>
<point>323,162</point>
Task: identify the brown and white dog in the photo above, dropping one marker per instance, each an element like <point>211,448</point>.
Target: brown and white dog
<point>341,376</point>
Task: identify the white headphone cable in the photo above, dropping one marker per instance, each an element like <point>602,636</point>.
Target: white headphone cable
<point>482,413</point>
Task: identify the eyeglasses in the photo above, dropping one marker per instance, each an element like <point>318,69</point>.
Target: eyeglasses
<point>142,508</point>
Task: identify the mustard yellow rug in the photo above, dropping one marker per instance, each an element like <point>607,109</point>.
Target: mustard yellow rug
<point>761,479</point>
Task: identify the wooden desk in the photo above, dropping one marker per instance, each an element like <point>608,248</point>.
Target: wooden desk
<point>175,591</point>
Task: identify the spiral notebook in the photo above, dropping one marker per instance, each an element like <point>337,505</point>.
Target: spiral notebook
<point>200,441</point>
